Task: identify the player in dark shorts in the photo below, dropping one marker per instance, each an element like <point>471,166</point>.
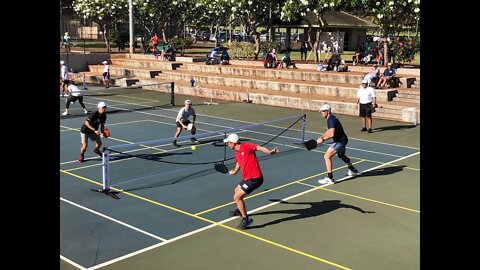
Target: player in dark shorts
<point>252,176</point>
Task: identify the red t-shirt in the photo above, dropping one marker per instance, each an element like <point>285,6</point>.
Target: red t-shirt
<point>155,40</point>
<point>247,159</point>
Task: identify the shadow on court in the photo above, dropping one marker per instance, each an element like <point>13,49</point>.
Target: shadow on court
<point>315,209</point>
<point>377,172</point>
<point>396,127</point>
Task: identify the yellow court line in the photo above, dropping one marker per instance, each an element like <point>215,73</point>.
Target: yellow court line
<point>220,225</point>
<point>363,198</point>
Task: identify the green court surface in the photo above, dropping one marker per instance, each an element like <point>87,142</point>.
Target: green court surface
<point>180,221</point>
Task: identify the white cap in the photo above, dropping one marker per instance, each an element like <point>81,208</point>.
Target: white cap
<point>232,138</point>
<point>389,64</point>
<point>365,81</point>
<point>325,107</point>
<point>188,101</point>
<point>101,104</point>
<point>104,62</point>
<point>62,62</point>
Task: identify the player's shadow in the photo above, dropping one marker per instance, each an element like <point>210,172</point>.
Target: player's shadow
<point>396,127</point>
<point>315,209</point>
<point>378,172</point>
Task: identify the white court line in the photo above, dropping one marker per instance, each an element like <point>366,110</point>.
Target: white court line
<point>72,263</point>
<point>114,220</point>
<point>232,218</point>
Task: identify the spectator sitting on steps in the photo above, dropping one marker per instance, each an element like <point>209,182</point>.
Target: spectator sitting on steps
<point>387,75</point>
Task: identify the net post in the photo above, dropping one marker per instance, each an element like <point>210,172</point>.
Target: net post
<point>172,93</point>
<point>302,133</point>
<point>106,170</point>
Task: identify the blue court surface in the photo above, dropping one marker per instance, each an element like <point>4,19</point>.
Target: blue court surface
<point>164,213</point>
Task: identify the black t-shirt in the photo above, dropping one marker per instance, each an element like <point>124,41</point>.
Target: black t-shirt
<point>339,135</point>
<point>95,119</point>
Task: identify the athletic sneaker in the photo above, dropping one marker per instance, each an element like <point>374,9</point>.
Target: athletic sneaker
<point>245,223</point>
<point>326,180</point>
<point>98,153</point>
<point>353,173</point>
<point>364,129</point>
<point>65,113</point>
<point>234,213</point>
<point>85,111</point>
<point>81,158</point>
<point>194,140</point>
<point>175,144</point>
<point>369,130</point>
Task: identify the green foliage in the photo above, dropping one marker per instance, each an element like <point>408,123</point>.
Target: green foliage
<point>404,48</point>
<point>266,46</point>
<point>180,44</point>
<point>242,50</point>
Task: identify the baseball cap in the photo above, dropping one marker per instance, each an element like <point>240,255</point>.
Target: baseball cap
<point>101,104</point>
<point>104,62</point>
<point>62,62</point>
<point>389,64</point>
<point>232,138</point>
<point>188,101</point>
<point>365,81</point>
<point>325,107</point>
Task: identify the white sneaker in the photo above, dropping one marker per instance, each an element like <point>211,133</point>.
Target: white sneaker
<point>65,113</point>
<point>85,111</point>
<point>325,181</point>
<point>350,173</point>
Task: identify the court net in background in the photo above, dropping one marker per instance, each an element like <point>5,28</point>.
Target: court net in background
<point>157,163</point>
<point>124,99</point>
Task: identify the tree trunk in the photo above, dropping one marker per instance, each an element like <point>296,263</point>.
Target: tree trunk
<point>257,45</point>
<point>105,36</point>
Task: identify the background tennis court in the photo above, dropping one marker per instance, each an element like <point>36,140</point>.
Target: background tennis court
<point>367,222</point>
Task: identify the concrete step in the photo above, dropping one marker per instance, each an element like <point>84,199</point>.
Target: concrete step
<point>313,65</point>
<point>411,100</point>
<point>121,71</point>
<point>147,64</point>
<point>282,85</point>
<point>410,96</point>
<point>390,110</point>
<point>408,91</point>
<point>353,78</point>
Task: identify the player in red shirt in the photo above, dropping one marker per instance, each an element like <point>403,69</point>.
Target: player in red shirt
<point>252,176</point>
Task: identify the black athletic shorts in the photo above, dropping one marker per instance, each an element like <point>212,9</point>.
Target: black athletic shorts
<point>251,184</point>
<point>365,110</point>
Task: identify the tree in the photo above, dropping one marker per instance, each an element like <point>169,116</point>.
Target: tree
<point>104,12</point>
<point>296,9</point>
<point>393,18</point>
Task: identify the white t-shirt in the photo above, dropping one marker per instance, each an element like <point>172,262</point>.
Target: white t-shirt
<point>74,90</point>
<point>183,114</point>
<point>105,68</point>
<point>365,95</point>
<point>64,72</point>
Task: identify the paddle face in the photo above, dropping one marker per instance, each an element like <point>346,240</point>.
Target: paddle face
<point>311,144</point>
<point>106,132</point>
<point>221,168</point>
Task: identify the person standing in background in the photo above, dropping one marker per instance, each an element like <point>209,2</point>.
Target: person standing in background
<point>106,74</point>
<point>64,77</point>
<point>366,102</point>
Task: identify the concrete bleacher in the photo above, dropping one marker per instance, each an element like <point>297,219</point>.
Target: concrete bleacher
<point>303,88</point>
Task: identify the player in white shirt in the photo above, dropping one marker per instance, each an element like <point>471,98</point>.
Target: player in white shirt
<point>106,74</point>
<point>367,101</point>
<point>183,121</point>
<point>64,77</point>
<point>75,94</point>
